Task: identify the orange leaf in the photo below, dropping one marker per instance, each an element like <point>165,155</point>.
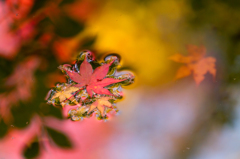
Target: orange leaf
<point>100,105</point>
<point>180,58</point>
<point>196,63</point>
<point>183,71</point>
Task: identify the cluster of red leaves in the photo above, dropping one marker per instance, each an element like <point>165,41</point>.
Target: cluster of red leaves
<point>88,90</point>
<point>12,39</point>
<point>195,63</point>
<point>19,32</point>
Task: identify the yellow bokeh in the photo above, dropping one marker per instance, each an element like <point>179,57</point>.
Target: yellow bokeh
<point>135,32</point>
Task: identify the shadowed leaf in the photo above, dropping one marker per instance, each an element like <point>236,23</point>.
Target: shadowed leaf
<point>3,128</point>
<point>88,42</point>
<point>22,114</point>
<point>32,151</point>
<point>66,2</point>
<point>59,138</point>
<point>37,5</point>
<point>49,110</point>
<point>67,27</point>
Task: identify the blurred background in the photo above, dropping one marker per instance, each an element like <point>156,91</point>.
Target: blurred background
<point>161,118</point>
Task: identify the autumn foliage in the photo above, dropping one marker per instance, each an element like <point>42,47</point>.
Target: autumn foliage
<point>195,63</point>
<point>89,90</point>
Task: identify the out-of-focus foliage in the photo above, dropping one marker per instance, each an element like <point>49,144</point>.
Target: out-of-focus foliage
<point>32,150</point>
<point>195,63</point>
<point>91,87</point>
<point>31,32</point>
<point>59,138</point>
<point>41,35</point>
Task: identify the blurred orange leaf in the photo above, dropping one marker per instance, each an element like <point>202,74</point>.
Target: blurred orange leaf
<point>195,63</point>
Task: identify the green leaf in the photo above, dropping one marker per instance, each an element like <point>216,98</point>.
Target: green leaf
<point>32,151</point>
<point>59,138</point>
<point>67,27</point>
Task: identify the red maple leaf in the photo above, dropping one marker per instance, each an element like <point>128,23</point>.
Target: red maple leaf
<point>93,80</point>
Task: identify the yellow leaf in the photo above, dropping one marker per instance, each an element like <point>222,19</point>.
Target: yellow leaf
<point>65,93</point>
<point>100,105</point>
